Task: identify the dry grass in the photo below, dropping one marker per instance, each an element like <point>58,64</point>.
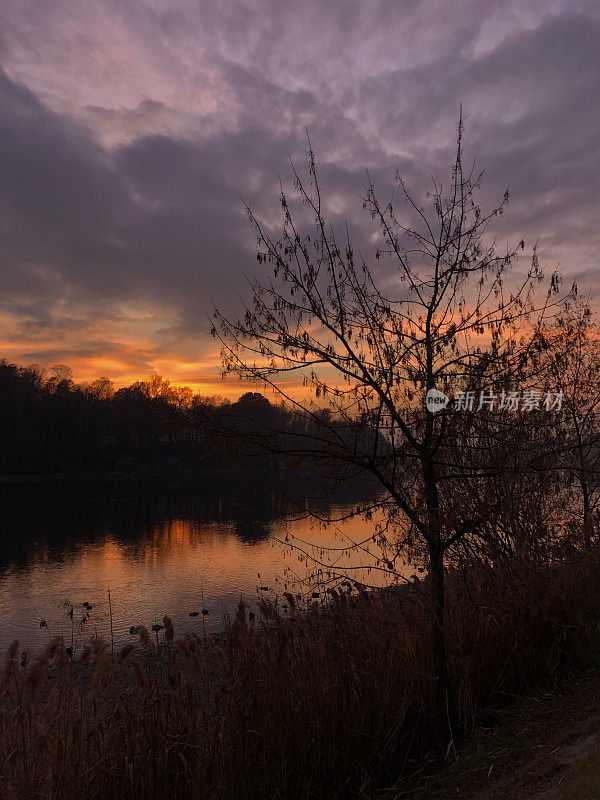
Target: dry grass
<point>583,780</point>
<point>333,700</point>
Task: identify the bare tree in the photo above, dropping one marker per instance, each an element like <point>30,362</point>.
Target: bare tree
<point>574,365</point>
<point>439,310</point>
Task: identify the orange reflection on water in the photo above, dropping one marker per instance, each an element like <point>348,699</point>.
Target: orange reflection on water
<point>174,566</point>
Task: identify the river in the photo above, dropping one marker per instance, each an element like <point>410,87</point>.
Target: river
<point>177,548</point>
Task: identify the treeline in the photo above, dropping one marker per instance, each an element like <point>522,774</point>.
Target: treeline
<point>50,424</point>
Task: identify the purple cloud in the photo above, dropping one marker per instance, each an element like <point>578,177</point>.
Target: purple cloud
<point>130,130</point>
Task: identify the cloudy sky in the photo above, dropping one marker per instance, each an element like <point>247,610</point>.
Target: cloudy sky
<point>130,130</point>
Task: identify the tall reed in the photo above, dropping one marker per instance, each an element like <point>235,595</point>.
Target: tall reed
<point>332,699</point>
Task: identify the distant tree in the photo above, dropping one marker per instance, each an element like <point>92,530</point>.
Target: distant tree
<point>62,372</point>
<point>49,424</point>
<point>101,389</point>
<point>182,396</point>
<point>211,401</point>
<point>369,342</point>
<point>574,366</point>
<point>156,387</point>
<point>61,379</point>
<point>253,400</point>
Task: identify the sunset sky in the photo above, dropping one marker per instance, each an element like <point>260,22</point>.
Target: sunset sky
<point>130,131</point>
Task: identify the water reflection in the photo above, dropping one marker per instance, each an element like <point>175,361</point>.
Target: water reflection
<point>160,549</point>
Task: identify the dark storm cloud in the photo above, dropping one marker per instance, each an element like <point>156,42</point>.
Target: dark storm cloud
<point>531,121</point>
<point>57,188</point>
<point>130,132</point>
<point>159,218</point>
<point>93,226</point>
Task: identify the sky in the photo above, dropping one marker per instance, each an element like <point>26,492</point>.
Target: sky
<point>131,133</point>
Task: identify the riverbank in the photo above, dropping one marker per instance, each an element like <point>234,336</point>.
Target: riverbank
<point>329,700</point>
<point>546,747</point>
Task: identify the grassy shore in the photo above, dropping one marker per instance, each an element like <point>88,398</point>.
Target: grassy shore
<point>333,700</point>
<point>543,747</point>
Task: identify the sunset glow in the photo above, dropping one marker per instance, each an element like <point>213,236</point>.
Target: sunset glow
<point>299,399</point>
<point>132,132</point>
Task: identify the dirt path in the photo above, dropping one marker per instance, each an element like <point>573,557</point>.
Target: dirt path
<point>547,748</point>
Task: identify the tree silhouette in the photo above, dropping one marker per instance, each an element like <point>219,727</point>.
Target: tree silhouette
<point>574,364</point>
<point>439,308</point>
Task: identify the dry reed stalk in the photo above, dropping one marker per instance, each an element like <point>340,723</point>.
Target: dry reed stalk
<point>334,698</point>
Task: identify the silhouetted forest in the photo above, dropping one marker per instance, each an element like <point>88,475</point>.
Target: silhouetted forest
<point>49,424</point>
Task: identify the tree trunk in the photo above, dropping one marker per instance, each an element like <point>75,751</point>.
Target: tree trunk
<point>445,708</point>
<point>587,520</point>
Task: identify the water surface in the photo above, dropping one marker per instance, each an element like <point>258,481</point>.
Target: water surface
<point>160,548</point>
